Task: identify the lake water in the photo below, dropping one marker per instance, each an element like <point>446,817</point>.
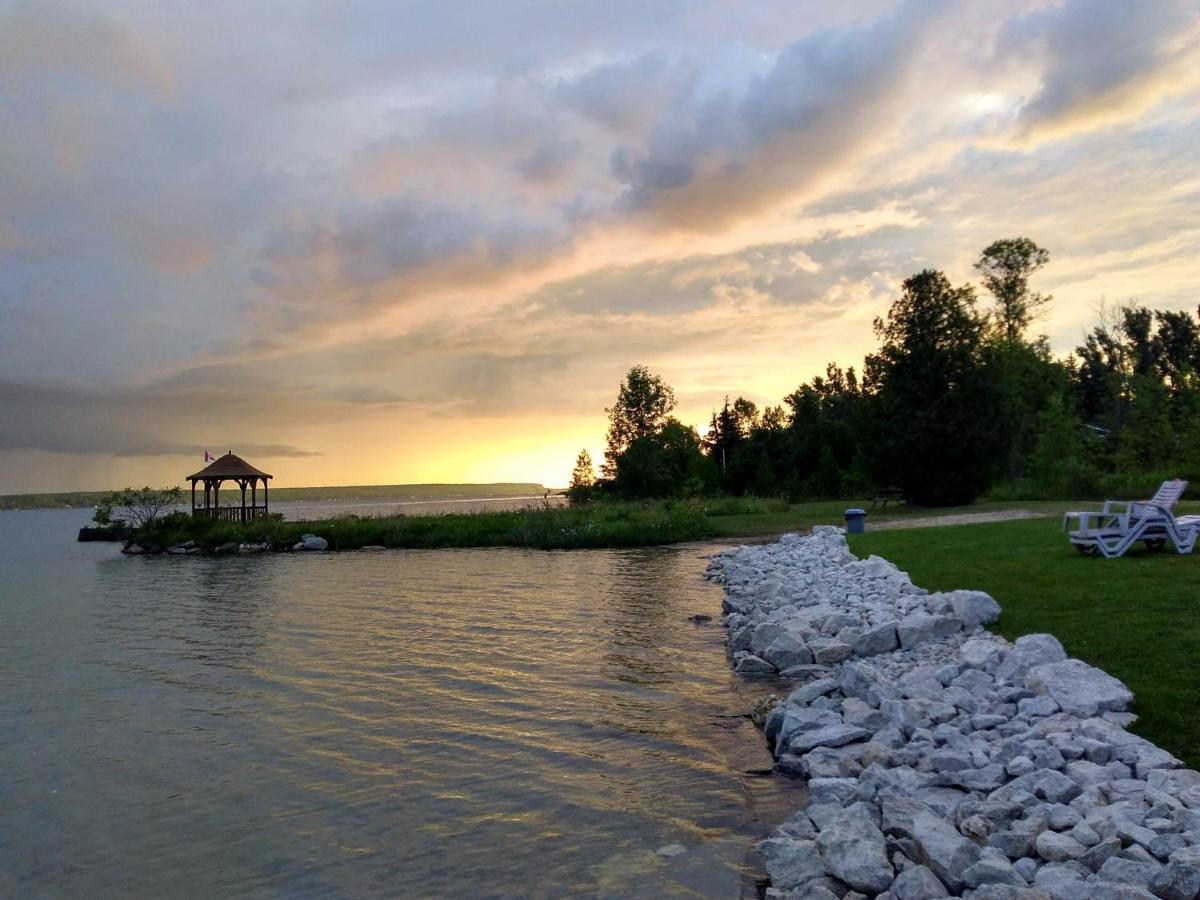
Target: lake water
<point>459,723</point>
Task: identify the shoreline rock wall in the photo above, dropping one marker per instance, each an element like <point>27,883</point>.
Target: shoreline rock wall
<point>942,760</point>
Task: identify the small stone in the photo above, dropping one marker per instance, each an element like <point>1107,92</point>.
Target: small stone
<point>1126,871</point>
<point>670,850</point>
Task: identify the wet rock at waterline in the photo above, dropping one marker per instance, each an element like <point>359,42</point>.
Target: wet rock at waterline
<point>311,542</point>
<point>942,760</point>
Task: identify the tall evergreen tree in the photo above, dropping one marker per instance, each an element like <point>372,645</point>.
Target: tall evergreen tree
<point>934,404</point>
<point>583,479</point>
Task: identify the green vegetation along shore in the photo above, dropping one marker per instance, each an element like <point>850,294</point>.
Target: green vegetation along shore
<point>360,492</point>
<point>1134,617</point>
<point>539,526</point>
<point>599,524</point>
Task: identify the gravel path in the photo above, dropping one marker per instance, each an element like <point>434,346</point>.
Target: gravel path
<point>957,519</point>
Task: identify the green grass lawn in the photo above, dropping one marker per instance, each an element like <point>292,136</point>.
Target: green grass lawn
<point>1137,617</point>
<point>801,516</point>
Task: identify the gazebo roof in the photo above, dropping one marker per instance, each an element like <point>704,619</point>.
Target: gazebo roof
<point>230,466</point>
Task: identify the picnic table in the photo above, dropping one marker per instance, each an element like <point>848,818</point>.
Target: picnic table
<point>887,495</point>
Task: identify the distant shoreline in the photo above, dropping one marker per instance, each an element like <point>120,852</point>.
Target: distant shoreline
<point>384,493</point>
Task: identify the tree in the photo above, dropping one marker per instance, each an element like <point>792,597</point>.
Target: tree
<point>136,508</point>
<point>728,429</point>
<point>1006,266</point>
<point>583,479</point>
<point>643,403</point>
<point>933,403</point>
<point>668,462</point>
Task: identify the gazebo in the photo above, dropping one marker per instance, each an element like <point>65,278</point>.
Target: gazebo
<point>229,467</point>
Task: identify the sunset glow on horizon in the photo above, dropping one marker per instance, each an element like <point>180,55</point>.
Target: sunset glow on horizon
<point>390,243</point>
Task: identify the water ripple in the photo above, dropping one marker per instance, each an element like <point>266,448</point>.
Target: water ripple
<point>482,723</point>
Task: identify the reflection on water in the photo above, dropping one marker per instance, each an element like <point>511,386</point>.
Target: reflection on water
<point>442,723</point>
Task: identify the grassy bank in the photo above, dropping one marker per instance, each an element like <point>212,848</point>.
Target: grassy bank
<point>608,524</point>
<point>1135,617</point>
<point>601,525</point>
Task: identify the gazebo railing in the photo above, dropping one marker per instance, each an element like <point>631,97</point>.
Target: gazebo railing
<point>230,513</point>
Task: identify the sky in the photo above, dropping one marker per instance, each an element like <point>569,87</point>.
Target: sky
<point>381,242</point>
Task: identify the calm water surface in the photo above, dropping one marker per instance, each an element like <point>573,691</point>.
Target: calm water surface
<point>460,723</point>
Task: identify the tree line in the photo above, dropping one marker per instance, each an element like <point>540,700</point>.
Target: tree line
<point>959,399</point>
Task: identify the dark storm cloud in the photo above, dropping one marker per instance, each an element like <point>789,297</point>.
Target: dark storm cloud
<point>137,421</point>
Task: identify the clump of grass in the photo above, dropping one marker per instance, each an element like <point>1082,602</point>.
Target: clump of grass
<point>549,528</point>
<point>744,506</point>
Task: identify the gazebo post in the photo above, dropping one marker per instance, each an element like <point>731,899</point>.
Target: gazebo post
<point>266,505</point>
<point>254,497</point>
<point>193,496</point>
<point>243,484</point>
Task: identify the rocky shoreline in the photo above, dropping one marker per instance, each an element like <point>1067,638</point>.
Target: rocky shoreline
<point>941,760</point>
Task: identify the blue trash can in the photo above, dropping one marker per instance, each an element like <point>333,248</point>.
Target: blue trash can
<point>856,521</point>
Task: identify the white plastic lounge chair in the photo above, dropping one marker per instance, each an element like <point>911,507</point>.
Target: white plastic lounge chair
<point>1165,497</point>
<point>1122,523</point>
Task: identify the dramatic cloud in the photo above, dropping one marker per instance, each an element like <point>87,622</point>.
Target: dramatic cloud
<point>423,244</point>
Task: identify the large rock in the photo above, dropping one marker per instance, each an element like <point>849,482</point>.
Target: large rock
<point>974,607</point>
<point>916,630</point>
<point>1054,847</point>
<point>829,736</point>
<point>749,664</point>
<point>980,653</point>
<point>855,852</point>
<point>829,651</point>
<point>1029,651</point>
<point>1176,881</point>
<point>880,639</point>
<point>791,863</point>
<point>1078,688</point>
<point>763,635</point>
<point>311,542</point>
<point>797,719</point>
<point>918,883</point>
<point>865,683</point>
<point>786,651</point>
<point>936,842</point>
